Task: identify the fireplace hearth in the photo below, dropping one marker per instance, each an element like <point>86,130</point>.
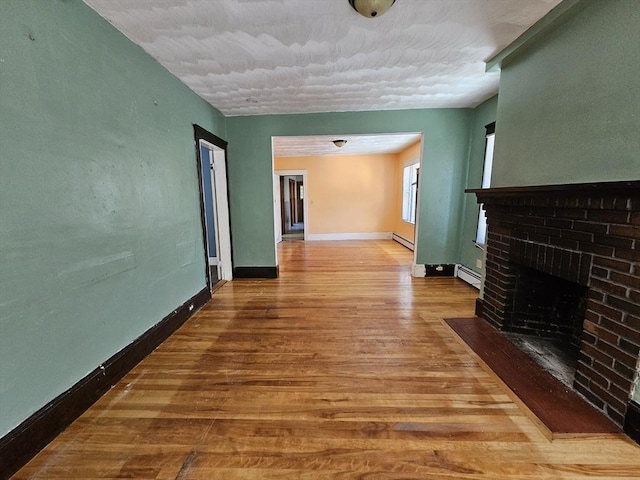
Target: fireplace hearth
<point>563,264</point>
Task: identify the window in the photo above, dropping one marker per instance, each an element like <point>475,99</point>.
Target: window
<point>410,192</point>
<point>481,234</point>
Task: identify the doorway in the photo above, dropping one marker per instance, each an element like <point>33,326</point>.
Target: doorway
<point>291,201</point>
<point>290,206</point>
<point>211,157</point>
<point>346,193</point>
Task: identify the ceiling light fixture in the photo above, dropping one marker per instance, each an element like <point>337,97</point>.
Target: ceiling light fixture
<point>371,8</point>
<point>339,143</point>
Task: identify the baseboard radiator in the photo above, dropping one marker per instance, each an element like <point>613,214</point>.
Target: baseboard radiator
<point>402,241</point>
<point>471,277</point>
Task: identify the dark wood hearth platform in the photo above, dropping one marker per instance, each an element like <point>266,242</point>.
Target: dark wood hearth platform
<point>557,410</point>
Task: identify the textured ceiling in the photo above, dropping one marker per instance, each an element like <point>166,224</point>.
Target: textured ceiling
<point>307,146</point>
<point>256,57</point>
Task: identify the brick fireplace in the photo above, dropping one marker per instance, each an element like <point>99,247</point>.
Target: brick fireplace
<point>563,261</point>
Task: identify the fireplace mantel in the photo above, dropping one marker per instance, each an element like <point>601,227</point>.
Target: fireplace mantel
<point>630,187</point>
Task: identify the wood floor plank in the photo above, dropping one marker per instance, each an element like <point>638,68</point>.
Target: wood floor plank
<point>342,368</point>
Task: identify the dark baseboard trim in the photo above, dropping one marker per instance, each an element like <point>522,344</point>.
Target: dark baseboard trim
<point>479,306</point>
<point>32,435</point>
<point>632,421</point>
<point>255,272</point>
<point>440,270</point>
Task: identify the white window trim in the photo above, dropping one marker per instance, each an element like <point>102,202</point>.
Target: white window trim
<point>412,214</point>
<point>481,231</point>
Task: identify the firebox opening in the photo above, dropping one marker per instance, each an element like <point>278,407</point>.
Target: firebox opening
<point>546,321</point>
<point>551,355</point>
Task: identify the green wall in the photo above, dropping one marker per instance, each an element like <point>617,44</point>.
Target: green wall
<point>441,179</point>
<point>482,115</point>
<point>569,107</point>
<point>100,234</point>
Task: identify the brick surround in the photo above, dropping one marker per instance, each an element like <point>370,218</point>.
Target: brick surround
<point>587,234</point>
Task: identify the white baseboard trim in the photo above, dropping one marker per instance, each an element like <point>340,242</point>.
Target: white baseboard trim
<point>402,241</point>
<point>419,270</point>
<point>349,236</point>
<point>471,277</point>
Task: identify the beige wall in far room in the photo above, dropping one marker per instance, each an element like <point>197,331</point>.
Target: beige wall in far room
<point>347,193</point>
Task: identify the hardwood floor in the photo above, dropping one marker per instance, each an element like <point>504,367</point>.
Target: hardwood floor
<point>341,368</point>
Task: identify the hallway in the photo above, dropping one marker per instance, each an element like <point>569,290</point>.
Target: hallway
<point>341,368</point>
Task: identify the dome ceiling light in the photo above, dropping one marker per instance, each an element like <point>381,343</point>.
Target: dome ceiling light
<point>339,143</point>
<point>371,8</point>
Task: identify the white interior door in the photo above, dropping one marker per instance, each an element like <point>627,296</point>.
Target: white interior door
<point>214,260</point>
<point>277,209</point>
<point>221,259</point>
<point>222,211</point>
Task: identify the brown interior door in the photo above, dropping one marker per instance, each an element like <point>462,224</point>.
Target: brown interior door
<point>299,203</point>
<point>283,213</point>
<point>292,202</point>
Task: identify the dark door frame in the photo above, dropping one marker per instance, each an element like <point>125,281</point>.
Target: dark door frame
<point>200,133</point>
